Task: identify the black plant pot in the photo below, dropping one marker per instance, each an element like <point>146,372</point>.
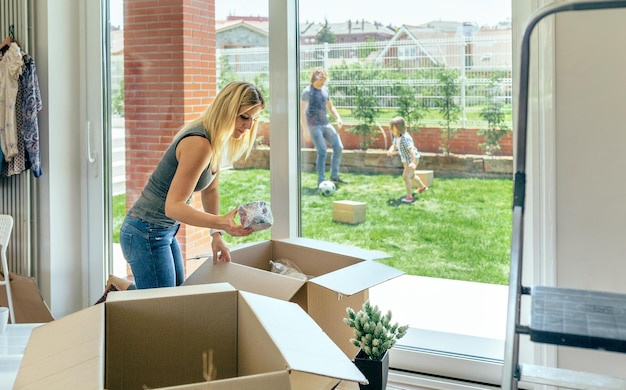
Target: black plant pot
<point>374,370</point>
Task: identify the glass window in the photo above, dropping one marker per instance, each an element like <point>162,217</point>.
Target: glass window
<point>362,66</point>
<point>161,81</point>
<point>445,68</point>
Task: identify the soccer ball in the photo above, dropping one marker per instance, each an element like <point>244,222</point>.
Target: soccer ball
<point>327,188</point>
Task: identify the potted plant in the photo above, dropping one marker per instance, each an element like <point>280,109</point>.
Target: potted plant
<point>374,335</point>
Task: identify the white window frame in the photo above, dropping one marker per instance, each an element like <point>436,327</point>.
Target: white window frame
<point>407,53</point>
<point>284,177</point>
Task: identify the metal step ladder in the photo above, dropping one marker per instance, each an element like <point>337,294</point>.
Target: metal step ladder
<point>558,316</point>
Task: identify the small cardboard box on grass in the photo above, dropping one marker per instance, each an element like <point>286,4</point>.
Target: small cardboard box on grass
<point>349,211</point>
<point>339,276</point>
<point>426,176</point>
<point>156,339</point>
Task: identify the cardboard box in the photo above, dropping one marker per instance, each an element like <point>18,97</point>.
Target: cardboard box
<point>28,305</point>
<point>339,277</point>
<point>426,176</point>
<point>156,338</point>
<point>349,211</point>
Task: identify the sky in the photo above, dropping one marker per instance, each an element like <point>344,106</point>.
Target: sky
<point>394,12</point>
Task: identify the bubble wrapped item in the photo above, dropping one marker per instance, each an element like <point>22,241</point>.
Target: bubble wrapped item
<point>288,268</point>
<point>256,215</point>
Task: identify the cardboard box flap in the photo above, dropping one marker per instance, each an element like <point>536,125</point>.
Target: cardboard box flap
<point>357,277</point>
<point>56,359</point>
<point>157,337</point>
<point>303,344</point>
<point>28,305</point>
<point>247,278</point>
<point>341,249</point>
<point>168,292</point>
<point>278,380</point>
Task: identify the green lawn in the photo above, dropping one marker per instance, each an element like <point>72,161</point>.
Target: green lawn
<point>459,229</point>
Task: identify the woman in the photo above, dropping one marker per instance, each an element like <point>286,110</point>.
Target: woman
<point>315,103</point>
<point>226,130</point>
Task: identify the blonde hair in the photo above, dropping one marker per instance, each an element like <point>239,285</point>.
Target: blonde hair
<point>398,123</point>
<point>220,117</point>
<point>318,74</point>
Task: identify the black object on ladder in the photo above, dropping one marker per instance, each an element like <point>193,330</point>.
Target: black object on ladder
<point>570,317</point>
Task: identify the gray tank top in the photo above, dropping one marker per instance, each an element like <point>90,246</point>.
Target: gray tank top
<point>151,203</point>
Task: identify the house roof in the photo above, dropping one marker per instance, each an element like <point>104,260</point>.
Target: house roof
<point>353,29</point>
<point>261,27</point>
<point>308,30</point>
<point>485,45</point>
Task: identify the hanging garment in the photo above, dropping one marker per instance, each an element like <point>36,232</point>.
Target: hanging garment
<point>11,66</point>
<point>18,163</point>
<point>31,105</point>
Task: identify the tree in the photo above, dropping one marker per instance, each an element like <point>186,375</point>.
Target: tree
<point>365,112</point>
<point>117,100</point>
<point>227,74</point>
<point>367,48</point>
<point>409,107</point>
<point>447,105</point>
<point>261,80</point>
<point>494,115</point>
<point>325,34</point>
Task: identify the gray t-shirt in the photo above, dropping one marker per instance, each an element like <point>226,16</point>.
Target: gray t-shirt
<point>151,203</point>
<point>316,114</point>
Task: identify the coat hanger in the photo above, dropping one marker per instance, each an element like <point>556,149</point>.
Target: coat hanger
<point>8,40</point>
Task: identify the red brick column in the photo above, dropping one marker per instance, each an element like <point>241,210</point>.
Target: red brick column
<point>169,79</point>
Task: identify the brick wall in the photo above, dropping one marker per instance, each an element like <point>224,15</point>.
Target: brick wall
<point>169,79</point>
<point>427,140</point>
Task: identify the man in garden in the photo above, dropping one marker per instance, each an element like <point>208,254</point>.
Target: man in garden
<point>315,103</point>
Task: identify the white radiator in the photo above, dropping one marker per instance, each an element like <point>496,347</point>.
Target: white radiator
<point>17,193</point>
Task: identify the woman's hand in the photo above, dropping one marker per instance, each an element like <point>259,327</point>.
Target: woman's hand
<point>220,250</point>
<point>232,228</point>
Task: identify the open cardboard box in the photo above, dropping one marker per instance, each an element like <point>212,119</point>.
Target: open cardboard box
<point>156,338</point>
<point>340,277</point>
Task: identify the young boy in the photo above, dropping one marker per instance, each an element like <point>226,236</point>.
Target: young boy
<point>410,157</point>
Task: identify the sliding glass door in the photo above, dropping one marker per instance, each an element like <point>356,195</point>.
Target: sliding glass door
<point>381,60</point>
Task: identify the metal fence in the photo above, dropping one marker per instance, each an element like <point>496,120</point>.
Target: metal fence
<point>483,65</point>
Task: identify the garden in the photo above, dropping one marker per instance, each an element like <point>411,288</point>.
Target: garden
<point>459,229</point>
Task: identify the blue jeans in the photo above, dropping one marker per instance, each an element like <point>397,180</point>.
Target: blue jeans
<point>321,134</point>
<point>152,252</point>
